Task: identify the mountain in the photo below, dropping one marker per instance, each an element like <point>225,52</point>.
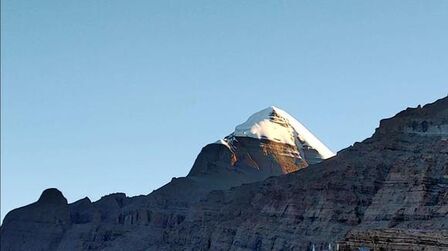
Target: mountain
<point>270,143</point>
<point>389,192</point>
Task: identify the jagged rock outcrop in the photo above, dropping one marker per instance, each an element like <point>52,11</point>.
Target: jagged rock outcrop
<point>389,191</point>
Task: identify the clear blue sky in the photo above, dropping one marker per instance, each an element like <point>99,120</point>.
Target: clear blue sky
<point>105,96</point>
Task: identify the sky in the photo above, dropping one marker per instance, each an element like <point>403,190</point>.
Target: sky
<point>120,96</point>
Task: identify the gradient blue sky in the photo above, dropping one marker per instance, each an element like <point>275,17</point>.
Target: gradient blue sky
<point>105,96</point>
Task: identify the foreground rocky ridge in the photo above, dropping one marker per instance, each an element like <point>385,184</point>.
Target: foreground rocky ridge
<point>389,191</point>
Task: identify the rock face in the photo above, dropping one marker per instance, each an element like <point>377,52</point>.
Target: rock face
<point>41,224</point>
<point>389,192</point>
<point>396,239</point>
<point>270,143</point>
<point>245,160</point>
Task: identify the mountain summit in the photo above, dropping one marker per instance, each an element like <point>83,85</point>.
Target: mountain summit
<point>277,125</point>
<point>269,143</point>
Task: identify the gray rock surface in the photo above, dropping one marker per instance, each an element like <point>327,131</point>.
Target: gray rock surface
<point>38,226</point>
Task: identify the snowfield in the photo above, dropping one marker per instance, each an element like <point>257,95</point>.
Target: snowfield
<point>277,125</point>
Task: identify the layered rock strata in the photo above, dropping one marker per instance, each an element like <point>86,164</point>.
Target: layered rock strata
<point>388,192</point>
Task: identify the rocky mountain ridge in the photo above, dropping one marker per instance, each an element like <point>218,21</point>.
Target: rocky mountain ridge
<point>389,191</point>
<point>257,149</point>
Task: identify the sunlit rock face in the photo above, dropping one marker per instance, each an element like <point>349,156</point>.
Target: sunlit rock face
<point>245,160</point>
<point>275,125</point>
<point>270,143</point>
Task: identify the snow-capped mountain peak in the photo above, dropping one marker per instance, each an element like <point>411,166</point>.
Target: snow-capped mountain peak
<point>276,125</point>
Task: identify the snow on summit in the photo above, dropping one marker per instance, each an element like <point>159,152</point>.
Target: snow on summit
<point>277,125</point>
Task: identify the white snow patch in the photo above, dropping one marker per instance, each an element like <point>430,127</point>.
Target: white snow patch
<point>277,125</point>
<point>223,142</point>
